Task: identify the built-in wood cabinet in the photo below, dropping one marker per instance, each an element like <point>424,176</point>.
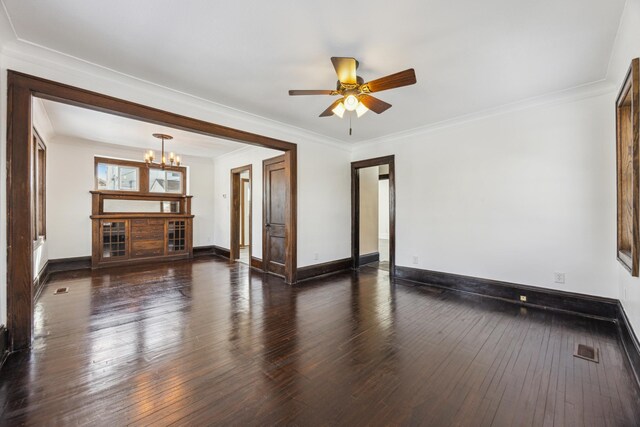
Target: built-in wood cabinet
<point>142,222</point>
<point>120,238</point>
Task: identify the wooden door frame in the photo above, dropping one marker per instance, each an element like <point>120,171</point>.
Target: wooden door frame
<point>21,89</point>
<point>236,196</point>
<point>355,209</point>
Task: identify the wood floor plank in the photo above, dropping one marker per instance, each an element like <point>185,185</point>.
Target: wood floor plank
<point>206,342</point>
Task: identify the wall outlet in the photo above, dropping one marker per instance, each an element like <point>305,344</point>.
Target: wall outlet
<point>315,256</point>
<point>415,259</point>
<point>523,298</point>
<point>558,277</point>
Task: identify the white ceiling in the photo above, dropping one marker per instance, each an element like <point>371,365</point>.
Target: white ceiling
<point>69,121</point>
<point>468,55</point>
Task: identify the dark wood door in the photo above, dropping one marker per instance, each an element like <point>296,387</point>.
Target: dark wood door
<point>274,207</point>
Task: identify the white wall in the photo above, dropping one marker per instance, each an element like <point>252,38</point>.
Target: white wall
<point>368,178</point>
<point>626,48</point>
<point>69,200</point>
<point>514,197</point>
<point>324,204</point>
<point>201,181</point>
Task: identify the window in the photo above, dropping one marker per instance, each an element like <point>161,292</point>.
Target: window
<point>165,181</point>
<point>39,183</point>
<point>628,147</point>
<point>117,177</point>
<point>129,176</point>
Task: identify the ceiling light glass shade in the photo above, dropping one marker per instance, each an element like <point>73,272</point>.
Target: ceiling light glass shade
<point>351,102</point>
<point>361,109</point>
<point>339,110</point>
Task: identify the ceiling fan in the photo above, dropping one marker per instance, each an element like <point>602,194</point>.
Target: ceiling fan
<point>354,93</point>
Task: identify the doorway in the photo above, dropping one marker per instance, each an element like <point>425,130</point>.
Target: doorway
<point>21,90</point>
<point>241,214</point>
<point>373,213</point>
<point>274,214</point>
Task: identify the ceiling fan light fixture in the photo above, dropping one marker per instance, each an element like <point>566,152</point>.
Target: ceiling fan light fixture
<point>351,102</point>
<point>361,109</point>
<point>339,110</point>
<point>354,92</point>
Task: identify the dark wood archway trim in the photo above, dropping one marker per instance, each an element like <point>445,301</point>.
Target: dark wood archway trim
<point>21,89</point>
<point>54,91</point>
<point>355,209</point>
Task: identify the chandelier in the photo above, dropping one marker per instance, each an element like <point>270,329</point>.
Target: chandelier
<point>149,156</point>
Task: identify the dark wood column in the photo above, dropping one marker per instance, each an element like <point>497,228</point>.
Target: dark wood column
<point>19,240</point>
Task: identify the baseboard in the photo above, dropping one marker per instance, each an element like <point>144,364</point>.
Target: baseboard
<point>40,280</point>
<point>311,271</point>
<point>223,252</point>
<point>256,263</point>
<point>587,305</point>
<point>58,265</point>
<point>629,341</point>
<point>199,251</point>
<point>69,264</point>
<point>369,258</point>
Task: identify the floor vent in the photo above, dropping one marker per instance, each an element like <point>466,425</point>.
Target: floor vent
<point>61,291</point>
<point>586,352</point>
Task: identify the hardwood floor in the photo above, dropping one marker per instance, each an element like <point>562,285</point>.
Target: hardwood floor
<point>207,343</point>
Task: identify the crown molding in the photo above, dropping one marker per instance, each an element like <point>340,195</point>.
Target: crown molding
<point>63,138</point>
<point>4,29</point>
<point>133,152</point>
<point>616,39</point>
<point>238,151</point>
<point>577,93</point>
<point>85,71</point>
<point>49,59</point>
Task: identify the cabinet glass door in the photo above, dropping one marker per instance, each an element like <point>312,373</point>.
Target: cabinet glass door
<point>176,232</point>
<point>114,239</point>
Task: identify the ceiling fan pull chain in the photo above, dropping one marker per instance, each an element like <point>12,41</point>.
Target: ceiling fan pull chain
<point>349,124</point>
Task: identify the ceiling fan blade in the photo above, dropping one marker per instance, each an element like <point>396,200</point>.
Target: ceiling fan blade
<point>374,104</point>
<point>403,78</point>
<point>312,92</point>
<point>345,69</point>
<point>329,111</point>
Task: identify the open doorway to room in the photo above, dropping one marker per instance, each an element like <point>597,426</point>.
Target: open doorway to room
<point>141,234</point>
<point>274,214</point>
<point>383,217</point>
<point>373,213</point>
<point>241,215</point>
